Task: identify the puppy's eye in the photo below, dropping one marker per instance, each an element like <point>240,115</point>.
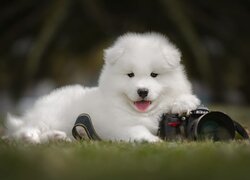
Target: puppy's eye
<point>131,75</point>
<point>153,75</point>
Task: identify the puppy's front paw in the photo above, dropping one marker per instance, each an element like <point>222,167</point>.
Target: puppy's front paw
<point>185,104</point>
<point>147,138</point>
<point>142,134</point>
<point>152,139</point>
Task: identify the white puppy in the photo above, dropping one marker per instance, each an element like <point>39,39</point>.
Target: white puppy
<point>142,78</point>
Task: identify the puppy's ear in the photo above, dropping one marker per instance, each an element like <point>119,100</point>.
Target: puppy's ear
<point>112,54</point>
<point>172,56</point>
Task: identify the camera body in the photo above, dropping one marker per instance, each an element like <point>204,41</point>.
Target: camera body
<point>199,124</point>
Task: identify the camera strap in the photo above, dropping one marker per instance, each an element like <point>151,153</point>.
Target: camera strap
<point>241,130</point>
<point>83,128</point>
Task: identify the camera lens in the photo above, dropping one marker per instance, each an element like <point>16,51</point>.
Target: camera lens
<point>214,125</point>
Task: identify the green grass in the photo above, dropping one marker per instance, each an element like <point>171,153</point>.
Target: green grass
<point>107,160</point>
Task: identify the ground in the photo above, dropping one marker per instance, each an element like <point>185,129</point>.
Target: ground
<point>107,160</point>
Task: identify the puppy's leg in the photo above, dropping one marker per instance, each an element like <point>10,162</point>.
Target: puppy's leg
<point>54,135</point>
<point>140,133</point>
<point>184,104</point>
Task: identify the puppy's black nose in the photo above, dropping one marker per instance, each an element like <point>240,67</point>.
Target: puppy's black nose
<point>142,92</point>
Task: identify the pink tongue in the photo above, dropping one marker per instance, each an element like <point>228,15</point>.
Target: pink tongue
<point>142,105</point>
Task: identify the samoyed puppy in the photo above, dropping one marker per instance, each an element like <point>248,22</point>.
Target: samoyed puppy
<point>141,79</point>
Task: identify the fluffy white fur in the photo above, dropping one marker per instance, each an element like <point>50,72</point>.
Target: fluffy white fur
<point>111,104</point>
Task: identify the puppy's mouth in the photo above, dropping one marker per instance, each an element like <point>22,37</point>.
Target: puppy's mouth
<point>142,105</point>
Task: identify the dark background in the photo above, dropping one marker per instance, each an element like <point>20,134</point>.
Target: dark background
<point>46,44</point>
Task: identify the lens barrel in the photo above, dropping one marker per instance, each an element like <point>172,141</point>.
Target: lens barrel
<point>213,125</point>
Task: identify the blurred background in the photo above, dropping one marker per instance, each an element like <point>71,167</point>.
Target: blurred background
<point>46,44</point>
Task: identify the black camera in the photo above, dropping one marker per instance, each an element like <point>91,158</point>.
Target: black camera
<point>200,124</point>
